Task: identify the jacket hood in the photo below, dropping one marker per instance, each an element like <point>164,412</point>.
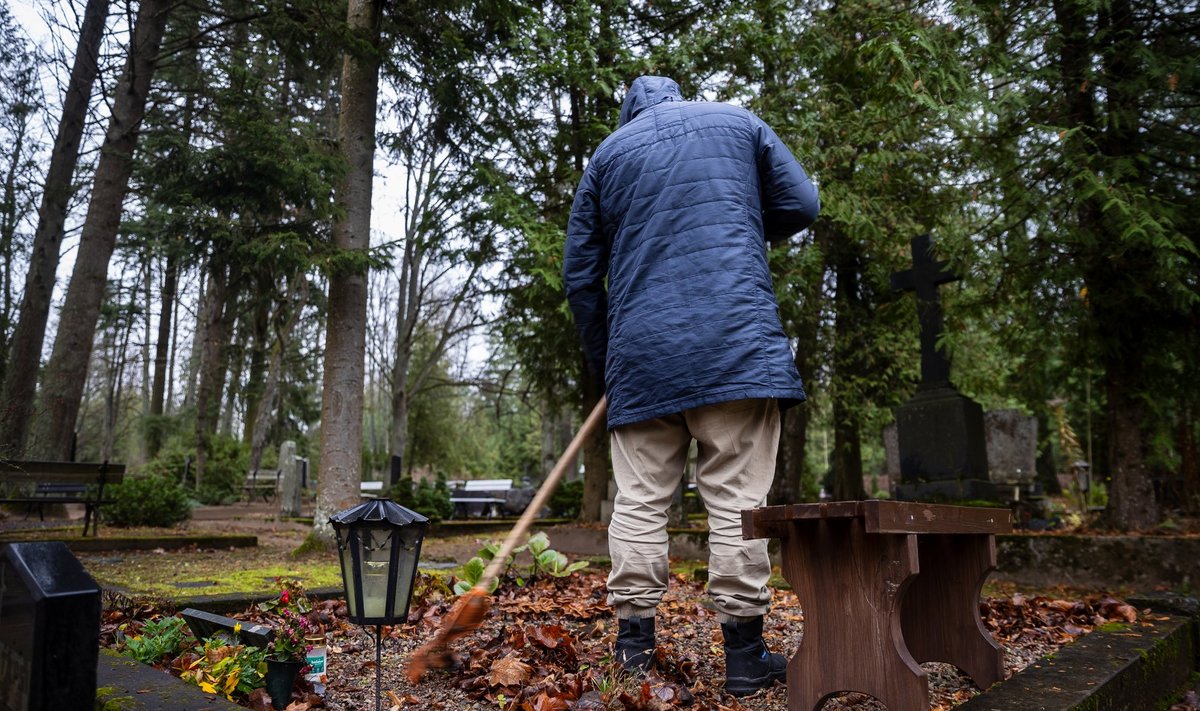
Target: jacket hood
<point>646,92</point>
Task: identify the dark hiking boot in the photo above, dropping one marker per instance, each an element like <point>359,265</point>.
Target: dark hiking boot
<point>635,643</point>
<point>749,665</point>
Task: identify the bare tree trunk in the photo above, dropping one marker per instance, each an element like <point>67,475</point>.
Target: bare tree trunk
<point>596,470</point>
<point>66,372</point>
<point>345,340</point>
<point>154,426</point>
<point>1131,504</point>
<point>261,340</point>
<point>212,337</point>
<point>269,398</point>
<point>850,322</point>
<point>407,309</point>
<point>193,362</point>
<point>16,403</point>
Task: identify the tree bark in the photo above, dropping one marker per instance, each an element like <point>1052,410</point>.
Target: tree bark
<point>154,427</point>
<point>16,402</point>
<point>66,372</point>
<point>850,323</point>
<point>1131,503</point>
<point>345,339</point>
<point>212,337</point>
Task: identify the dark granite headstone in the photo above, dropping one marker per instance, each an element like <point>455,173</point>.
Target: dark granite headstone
<point>49,629</point>
<point>940,430</point>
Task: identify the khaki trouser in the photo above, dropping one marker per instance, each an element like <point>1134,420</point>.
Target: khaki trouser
<point>736,443</point>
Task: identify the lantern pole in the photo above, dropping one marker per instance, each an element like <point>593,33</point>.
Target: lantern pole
<point>378,661</point>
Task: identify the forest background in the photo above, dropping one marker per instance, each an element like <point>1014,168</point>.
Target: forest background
<point>190,266</point>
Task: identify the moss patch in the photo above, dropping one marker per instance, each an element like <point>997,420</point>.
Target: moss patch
<point>108,698</point>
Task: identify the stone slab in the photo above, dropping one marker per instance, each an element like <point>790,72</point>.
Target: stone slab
<point>1138,562</point>
<point>1136,667</point>
<point>127,684</point>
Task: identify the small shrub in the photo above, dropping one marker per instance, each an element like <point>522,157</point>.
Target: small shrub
<point>429,500</point>
<point>224,467</point>
<point>147,501</point>
<point>567,499</point>
<point>224,471</point>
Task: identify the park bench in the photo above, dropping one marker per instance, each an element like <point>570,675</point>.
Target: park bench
<point>884,586</point>
<point>480,497</point>
<point>36,484</point>
<point>370,489</point>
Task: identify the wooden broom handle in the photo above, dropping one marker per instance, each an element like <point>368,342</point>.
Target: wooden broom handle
<point>539,499</point>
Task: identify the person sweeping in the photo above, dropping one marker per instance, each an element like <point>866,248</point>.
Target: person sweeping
<point>666,273</point>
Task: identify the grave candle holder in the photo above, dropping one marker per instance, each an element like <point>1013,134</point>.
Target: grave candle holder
<point>379,544</point>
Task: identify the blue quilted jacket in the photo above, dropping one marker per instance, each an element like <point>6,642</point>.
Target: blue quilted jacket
<point>665,265</point>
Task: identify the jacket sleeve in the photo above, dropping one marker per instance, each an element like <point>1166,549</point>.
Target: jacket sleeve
<point>585,266</point>
<point>789,198</point>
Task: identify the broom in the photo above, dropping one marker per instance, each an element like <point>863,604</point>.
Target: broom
<point>468,612</point>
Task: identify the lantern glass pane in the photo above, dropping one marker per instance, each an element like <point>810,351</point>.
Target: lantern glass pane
<point>344,541</point>
<point>376,556</point>
<point>409,540</point>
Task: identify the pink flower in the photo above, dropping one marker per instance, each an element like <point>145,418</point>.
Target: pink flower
<point>284,596</point>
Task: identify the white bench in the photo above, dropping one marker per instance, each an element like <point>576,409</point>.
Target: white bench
<point>371,489</point>
<point>472,497</point>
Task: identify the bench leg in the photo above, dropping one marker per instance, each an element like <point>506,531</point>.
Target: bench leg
<point>850,585</point>
<point>89,519</point>
<point>940,614</point>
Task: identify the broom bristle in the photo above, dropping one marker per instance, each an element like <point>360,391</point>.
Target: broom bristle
<point>464,618</point>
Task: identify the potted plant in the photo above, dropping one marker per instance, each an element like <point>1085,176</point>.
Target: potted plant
<point>286,655</point>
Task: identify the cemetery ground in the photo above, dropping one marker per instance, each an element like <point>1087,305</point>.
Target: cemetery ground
<point>544,646</point>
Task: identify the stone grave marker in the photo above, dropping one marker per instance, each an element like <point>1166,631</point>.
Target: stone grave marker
<point>1010,442</point>
<point>1012,439</point>
<point>290,481</point>
<point>49,629</point>
<point>939,430</point>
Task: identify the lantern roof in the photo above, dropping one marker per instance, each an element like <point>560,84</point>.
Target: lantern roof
<point>378,511</point>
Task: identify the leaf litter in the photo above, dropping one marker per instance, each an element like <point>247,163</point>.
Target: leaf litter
<point>547,646</point>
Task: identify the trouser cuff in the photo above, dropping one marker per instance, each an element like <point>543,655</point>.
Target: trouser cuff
<point>723,618</point>
<point>625,612</point>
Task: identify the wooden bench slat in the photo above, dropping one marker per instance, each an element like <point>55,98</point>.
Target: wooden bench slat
<point>909,517</point>
<point>879,517</point>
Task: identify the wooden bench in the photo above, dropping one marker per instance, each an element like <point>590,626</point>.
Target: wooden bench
<point>36,484</point>
<point>884,586</point>
<point>262,482</point>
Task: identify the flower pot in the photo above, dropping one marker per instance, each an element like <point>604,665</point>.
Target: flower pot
<point>281,676</point>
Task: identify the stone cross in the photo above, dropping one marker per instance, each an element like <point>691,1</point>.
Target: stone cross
<point>924,278</point>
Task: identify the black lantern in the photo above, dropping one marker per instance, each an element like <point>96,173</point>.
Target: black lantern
<point>379,543</point>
